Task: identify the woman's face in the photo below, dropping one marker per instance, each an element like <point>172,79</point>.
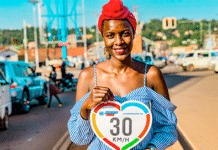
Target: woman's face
<point>118,38</point>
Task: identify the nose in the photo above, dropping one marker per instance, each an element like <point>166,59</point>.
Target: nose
<point>118,40</point>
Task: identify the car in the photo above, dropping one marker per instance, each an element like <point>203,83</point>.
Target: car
<point>197,59</point>
<point>178,61</point>
<point>160,62</point>
<point>144,57</point>
<point>5,102</point>
<point>24,83</point>
<point>213,64</point>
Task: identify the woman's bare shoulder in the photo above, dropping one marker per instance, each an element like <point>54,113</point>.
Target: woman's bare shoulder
<point>87,73</point>
<point>153,72</point>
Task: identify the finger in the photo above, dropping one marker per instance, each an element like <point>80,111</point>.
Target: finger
<point>100,91</point>
<point>99,95</point>
<point>111,93</point>
<point>101,87</point>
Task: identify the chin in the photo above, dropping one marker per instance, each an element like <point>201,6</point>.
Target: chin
<point>122,57</point>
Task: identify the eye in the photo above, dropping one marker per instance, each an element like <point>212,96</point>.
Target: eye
<point>110,36</point>
<point>126,33</point>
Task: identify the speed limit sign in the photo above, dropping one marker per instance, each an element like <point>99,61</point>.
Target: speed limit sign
<point>121,126</point>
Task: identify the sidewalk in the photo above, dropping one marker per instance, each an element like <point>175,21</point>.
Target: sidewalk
<point>197,111</point>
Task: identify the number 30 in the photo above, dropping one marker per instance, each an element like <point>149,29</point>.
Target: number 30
<point>124,126</point>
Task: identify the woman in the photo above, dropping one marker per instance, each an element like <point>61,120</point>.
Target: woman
<point>122,79</point>
<point>53,90</point>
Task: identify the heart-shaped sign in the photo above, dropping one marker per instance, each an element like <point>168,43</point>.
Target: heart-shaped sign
<point>121,126</point>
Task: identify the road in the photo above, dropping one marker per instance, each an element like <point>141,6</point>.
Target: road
<point>41,128</point>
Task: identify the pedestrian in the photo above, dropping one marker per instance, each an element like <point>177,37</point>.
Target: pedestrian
<point>122,79</point>
<point>63,69</point>
<point>53,89</point>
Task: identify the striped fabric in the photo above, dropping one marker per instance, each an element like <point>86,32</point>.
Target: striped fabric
<point>163,131</point>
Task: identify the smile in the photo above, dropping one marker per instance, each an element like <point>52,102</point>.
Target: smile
<point>120,50</point>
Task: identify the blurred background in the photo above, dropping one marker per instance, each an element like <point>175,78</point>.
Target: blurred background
<point>180,37</point>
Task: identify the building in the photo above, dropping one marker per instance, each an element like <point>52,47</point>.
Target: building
<point>8,53</point>
<point>214,39</point>
<point>183,49</point>
<point>73,43</point>
<point>95,52</point>
<point>176,33</point>
<point>188,32</point>
<point>162,35</point>
<point>52,54</point>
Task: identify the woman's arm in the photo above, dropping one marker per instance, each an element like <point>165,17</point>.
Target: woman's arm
<point>79,125</point>
<point>164,119</point>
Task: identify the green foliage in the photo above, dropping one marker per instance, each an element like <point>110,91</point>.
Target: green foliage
<point>149,31</point>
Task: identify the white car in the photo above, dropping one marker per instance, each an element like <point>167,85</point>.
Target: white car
<point>160,62</point>
<point>213,64</point>
<point>178,61</point>
<point>5,102</point>
<point>198,59</point>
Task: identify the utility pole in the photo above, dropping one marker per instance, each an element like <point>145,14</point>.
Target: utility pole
<point>25,41</point>
<point>201,33</point>
<point>47,53</point>
<point>53,47</point>
<point>35,33</point>
<point>97,36</point>
<point>84,33</point>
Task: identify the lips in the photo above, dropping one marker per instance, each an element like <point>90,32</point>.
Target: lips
<point>119,50</point>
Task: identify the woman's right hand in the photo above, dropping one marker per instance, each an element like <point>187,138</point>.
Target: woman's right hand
<point>98,95</point>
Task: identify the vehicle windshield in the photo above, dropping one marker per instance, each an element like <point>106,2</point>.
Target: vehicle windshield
<point>147,58</point>
<point>2,67</point>
<point>2,79</point>
<point>214,54</point>
<point>22,71</point>
<point>159,58</point>
<point>190,55</point>
<point>138,58</point>
<point>182,55</point>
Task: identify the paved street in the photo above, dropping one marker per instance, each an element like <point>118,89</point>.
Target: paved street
<point>197,102</point>
<point>192,92</point>
<point>40,129</point>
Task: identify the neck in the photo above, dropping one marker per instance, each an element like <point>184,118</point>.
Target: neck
<point>120,66</point>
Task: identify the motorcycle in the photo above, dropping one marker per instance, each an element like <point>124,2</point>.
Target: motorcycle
<point>67,83</point>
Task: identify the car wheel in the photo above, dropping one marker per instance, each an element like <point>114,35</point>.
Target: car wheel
<point>74,85</point>
<point>214,68</point>
<point>184,68</point>
<point>190,68</point>
<point>42,98</point>
<point>61,85</point>
<point>25,104</point>
<point>4,122</point>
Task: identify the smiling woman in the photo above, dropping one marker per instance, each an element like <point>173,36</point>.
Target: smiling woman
<point>121,79</point>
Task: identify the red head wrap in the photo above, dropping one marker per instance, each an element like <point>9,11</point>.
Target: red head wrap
<point>114,9</point>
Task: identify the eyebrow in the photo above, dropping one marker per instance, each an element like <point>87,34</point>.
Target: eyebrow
<point>121,31</point>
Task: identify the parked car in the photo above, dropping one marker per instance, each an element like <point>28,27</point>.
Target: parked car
<point>145,58</point>
<point>24,83</point>
<point>213,64</point>
<point>5,102</point>
<point>178,61</point>
<point>198,59</point>
<point>160,62</point>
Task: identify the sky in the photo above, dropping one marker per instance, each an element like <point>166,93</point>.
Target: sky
<point>12,12</point>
